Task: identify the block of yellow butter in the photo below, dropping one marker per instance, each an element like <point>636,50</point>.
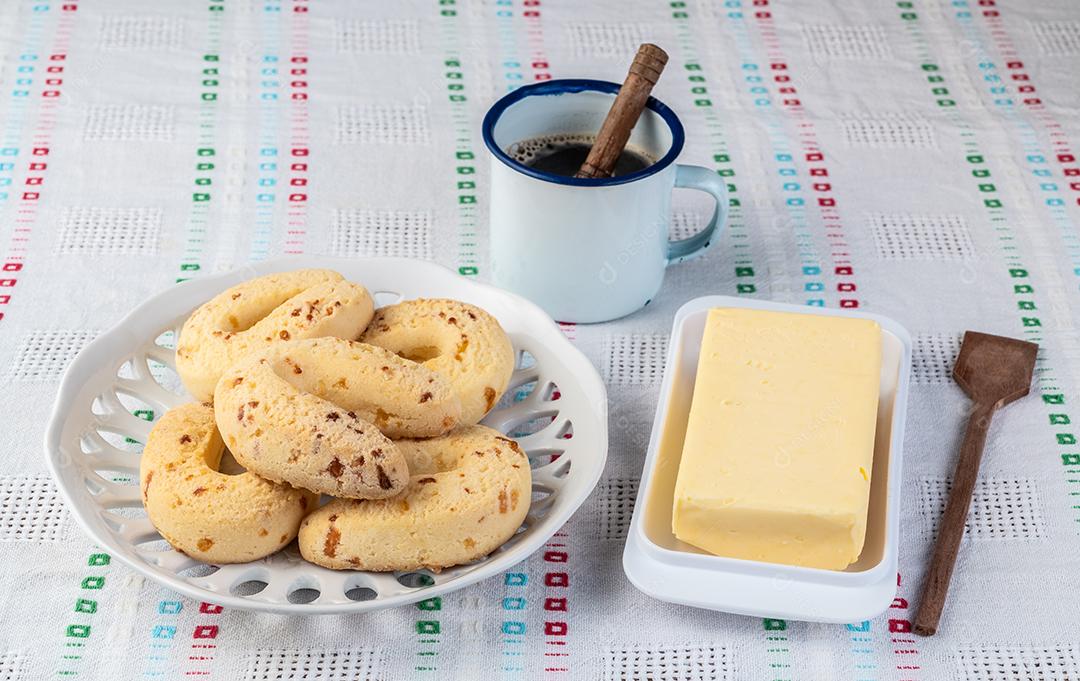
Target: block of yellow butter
<point>779,445</point>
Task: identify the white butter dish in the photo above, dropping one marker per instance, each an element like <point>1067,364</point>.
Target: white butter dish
<point>664,567</point>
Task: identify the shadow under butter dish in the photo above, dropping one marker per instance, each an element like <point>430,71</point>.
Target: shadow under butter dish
<point>779,445</point>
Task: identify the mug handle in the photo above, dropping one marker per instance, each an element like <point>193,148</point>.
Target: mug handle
<point>702,179</point>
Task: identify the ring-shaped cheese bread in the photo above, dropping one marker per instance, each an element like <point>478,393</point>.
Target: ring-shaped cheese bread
<point>454,338</point>
<point>210,516</point>
<point>261,312</point>
<point>469,493</point>
<point>319,414</point>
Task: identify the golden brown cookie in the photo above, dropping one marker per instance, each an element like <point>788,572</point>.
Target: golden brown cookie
<point>469,493</point>
<point>454,338</point>
<point>261,312</point>
<point>318,414</point>
<point>208,515</point>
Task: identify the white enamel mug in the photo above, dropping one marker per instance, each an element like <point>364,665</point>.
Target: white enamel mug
<point>588,250</point>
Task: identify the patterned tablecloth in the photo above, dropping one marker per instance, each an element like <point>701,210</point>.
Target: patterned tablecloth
<point>915,158</point>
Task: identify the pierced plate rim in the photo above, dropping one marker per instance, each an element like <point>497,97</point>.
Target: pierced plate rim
<point>109,350</point>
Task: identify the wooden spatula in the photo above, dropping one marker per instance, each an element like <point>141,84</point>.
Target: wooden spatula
<point>993,371</point>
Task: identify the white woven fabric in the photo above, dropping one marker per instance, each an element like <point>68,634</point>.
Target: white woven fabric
<point>915,158</point>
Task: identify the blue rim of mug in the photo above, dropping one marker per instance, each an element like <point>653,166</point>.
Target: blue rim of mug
<point>574,85</point>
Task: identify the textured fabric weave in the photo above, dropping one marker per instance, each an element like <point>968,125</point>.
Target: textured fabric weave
<point>914,158</point>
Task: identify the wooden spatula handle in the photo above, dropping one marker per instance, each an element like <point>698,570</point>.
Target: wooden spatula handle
<point>951,529</point>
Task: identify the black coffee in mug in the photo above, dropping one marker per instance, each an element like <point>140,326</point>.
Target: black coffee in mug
<point>564,154</point>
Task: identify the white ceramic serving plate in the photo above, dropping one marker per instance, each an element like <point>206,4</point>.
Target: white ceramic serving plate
<point>92,441</point>
<point>671,570</point>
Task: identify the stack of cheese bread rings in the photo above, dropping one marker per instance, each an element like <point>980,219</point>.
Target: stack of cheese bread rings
<point>314,392</point>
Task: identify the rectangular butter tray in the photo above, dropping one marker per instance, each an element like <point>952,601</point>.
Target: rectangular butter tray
<point>662,566</point>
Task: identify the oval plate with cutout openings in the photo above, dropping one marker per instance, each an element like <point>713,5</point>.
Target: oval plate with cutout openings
<point>556,407</point>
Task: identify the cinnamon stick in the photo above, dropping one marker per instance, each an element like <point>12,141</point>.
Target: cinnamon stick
<point>625,110</point>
